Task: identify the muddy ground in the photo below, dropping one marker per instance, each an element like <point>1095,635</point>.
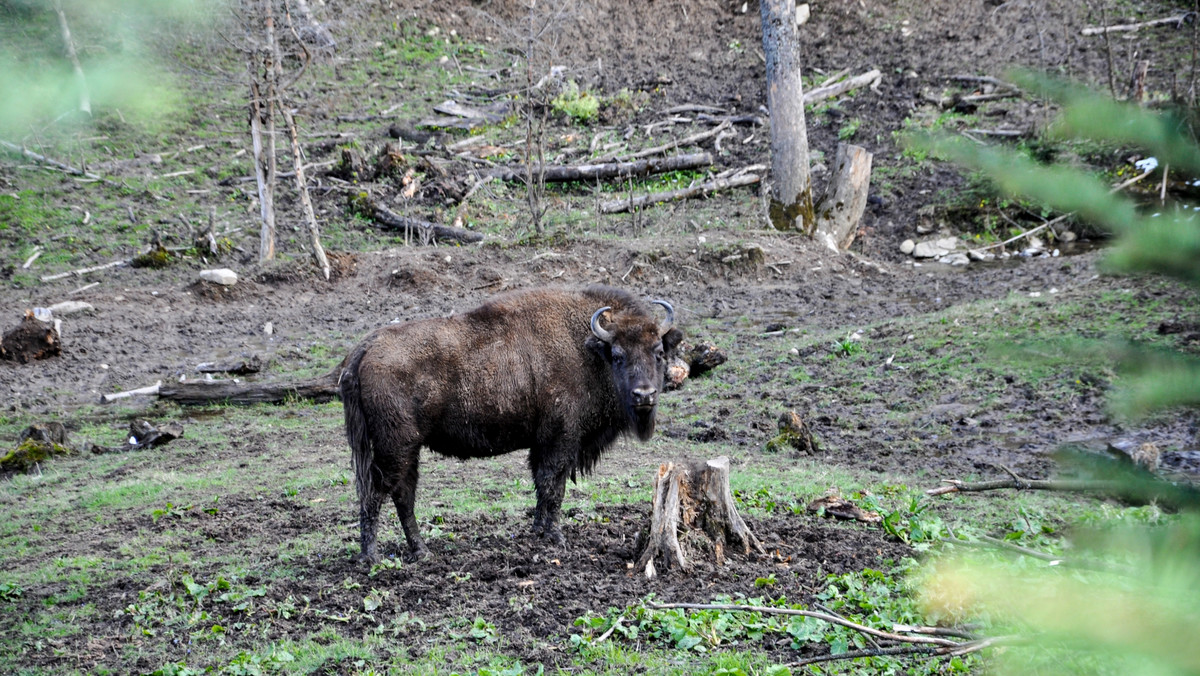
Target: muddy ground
<point>151,325</point>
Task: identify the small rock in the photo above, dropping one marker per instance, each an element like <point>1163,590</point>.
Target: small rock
<point>924,228</point>
<point>957,259</point>
<point>223,276</point>
<point>70,307</point>
<point>1067,236</point>
<point>907,246</point>
<point>802,14</point>
<point>268,329</point>
<point>928,250</point>
<point>976,255</point>
<point>948,243</point>
<point>1036,243</point>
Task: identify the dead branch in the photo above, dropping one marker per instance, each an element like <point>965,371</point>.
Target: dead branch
<point>692,108</point>
<point>37,252</point>
<point>66,168</point>
<point>592,172</point>
<point>877,652</point>
<point>985,79</point>
<point>85,103</point>
<point>703,189</point>
<point>83,271</point>
<point>150,389</point>
<point>689,140</point>
<point>427,230</point>
<point>1027,233</point>
<point>1176,19</point>
<point>314,231</point>
<point>824,617</point>
<point>1071,485</point>
<point>867,79</point>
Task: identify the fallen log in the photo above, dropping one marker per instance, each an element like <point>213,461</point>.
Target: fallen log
<point>201,392</point>
<point>428,232</point>
<point>693,497</point>
<point>610,170</point>
<point>703,189</point>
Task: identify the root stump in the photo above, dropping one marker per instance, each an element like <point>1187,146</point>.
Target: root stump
<point>693,497</point>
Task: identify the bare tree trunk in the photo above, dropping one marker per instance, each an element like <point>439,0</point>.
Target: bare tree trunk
<point>264,96</point>
<point>310,216</point>
<point>85,101</point>
<point>791,200</point>
<point>264,171</point>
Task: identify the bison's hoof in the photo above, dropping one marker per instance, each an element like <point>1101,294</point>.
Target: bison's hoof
<point>367,558</point>
<point>415,555</point>
<point>554,536</point>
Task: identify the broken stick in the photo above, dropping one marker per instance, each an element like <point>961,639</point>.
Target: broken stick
<point>83,271</point>
<point>592,172</point>
<point>703,189</point>
<point>150,389</point>
<point>427,230</point>
<point>867,79</point>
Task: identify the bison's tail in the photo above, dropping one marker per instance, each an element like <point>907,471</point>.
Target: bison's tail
<point>361,449</point>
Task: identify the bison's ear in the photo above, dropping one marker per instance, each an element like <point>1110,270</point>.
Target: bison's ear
<point>598,347</point>
<point>671,339</point>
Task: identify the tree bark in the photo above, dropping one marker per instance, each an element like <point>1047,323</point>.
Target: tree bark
<point>592,172</point>
<point>694,496</point>
<point>841,208</point>
<point>791,206</point>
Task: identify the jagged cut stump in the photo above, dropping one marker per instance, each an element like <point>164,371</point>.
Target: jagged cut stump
<point>693,497</point>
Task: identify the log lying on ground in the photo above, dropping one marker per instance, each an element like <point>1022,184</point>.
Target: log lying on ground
<point>693,497</point>
<point>425,230</point>
<point>592,172</point>
<point>198,393</point>
<point>703,189</point>
<point>840,210</point>
<point>1134,486</point>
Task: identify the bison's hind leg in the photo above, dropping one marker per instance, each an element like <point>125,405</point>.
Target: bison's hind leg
<point>368,524</point>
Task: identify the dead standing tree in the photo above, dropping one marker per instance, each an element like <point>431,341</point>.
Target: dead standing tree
<point>832,219</point>
<point>267,88</point>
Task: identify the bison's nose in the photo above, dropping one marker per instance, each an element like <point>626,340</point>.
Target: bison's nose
<point>643,397</point>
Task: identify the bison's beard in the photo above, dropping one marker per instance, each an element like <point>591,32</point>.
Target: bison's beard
<point>643,422</point>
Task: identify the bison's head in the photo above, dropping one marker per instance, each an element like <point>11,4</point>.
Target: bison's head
<point>635,346</point>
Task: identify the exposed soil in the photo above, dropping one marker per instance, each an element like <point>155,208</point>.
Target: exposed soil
<point>158,325</point>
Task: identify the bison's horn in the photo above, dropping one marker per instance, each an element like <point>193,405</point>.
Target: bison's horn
<point>600,332</point>
<point>670,321</point>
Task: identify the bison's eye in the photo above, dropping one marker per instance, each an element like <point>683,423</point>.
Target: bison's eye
<point>618,355</point>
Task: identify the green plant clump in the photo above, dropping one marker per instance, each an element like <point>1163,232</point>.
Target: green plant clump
<point>579,105</point>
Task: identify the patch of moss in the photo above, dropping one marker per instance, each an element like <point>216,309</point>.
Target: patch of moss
<point>29,453</point>
<point>157,258</point>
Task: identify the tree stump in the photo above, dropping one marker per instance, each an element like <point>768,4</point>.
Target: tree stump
<point>693,496</point>
<point>841,208</point>
<point>31,339</point>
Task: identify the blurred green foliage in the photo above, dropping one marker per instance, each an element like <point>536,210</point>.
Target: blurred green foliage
<point>1136,608</point>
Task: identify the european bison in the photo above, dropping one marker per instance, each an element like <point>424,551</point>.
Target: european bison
<point>560,372</point>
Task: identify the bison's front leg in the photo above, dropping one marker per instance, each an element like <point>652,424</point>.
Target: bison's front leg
<point>550,470</point>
